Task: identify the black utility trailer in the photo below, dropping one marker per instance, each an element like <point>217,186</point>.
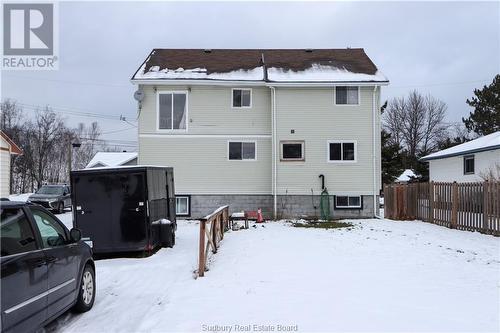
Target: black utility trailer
<point>125,209</point>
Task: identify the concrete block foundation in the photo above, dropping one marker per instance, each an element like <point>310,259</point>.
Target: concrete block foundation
<point>289,206</point>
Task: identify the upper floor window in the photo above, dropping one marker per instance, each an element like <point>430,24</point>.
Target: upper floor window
<point>172,110</point>
<point>242,151</point>
<point>241,98</point>
<point>469,165</point>
<point>346,95</point>
<point>342,151</point>
<point>292,150</point>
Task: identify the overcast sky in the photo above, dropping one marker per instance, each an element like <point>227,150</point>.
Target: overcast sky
<point>443,48</point>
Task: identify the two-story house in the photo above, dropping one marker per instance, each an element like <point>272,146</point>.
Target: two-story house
<point>257,128</point>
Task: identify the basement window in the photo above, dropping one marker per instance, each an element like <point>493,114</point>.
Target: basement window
<point>172,111</point>
<point>347,202</point>
<point>242,151</point>
<point>292,150</point>
<point>347,95</point>
<point>182,205</point>
<point>241,98</point>
<point>469,165</point>
<point>342,151</point>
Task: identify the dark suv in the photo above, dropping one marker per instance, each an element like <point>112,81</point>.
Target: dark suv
<point>53,197</point>
<point>46,269</point>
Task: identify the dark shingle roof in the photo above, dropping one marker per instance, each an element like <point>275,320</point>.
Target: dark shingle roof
<point>227,60</point>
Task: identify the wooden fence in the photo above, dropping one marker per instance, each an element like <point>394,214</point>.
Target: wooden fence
<point>212,229</point>
<point>464,206</point>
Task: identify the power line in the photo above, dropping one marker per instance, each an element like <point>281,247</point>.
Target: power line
<point>69,81</point>
<point>75,112</point>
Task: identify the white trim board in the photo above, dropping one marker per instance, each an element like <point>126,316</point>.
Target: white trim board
<point>205,136</point>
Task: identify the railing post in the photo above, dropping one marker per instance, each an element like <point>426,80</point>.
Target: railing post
<point>454,205</point>
<point>431,202</point>
<point>201,254</point>
<point>214,233</point>
<point>485,205</point>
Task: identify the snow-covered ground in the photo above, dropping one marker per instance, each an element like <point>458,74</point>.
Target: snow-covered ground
<point>378,276</point>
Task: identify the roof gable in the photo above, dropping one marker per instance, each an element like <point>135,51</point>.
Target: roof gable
<point>14,148</point>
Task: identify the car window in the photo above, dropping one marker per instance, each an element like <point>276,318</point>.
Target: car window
<point>16,233</point>
<point>51,231</point>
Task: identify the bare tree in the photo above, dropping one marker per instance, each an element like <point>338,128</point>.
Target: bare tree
<point>416,122</point>
<point>492,173</point>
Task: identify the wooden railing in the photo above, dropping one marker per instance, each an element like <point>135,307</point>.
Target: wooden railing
<point>212,228</point>
<point>464,206</point>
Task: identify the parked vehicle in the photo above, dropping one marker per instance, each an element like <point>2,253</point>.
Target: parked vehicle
<point>125,209</point>
<point>46,269</point>
<point>53,197</point>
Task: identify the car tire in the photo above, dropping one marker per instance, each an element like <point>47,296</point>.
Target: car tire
<point>86,294</point>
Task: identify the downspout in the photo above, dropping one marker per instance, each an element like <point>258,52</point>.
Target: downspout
<point>274,166</point>
<point>374,155</point>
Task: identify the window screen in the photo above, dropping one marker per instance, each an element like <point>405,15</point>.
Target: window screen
<point>172,111</point>
<point>182,205</point>
<point>346,95</point>
<point>344,201</point>
<point>242,98</point>
<point>242,150</point>
<point>342,151</point>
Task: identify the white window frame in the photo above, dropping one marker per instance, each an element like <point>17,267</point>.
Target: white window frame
<point>335,96</point>
<point>336,206</point>
<point>242,141</point>
<point>303,145</point>
<point>342,151</point>
<point>188,206</point>
<point>241,107</point>
<point>171,92</point>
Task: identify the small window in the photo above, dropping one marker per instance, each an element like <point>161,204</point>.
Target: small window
<point>242,98</point>
<point>347,95</point>
<point>340,151</point>
<point>182,205</point>
<point>51,231</point>
<point>347,202</point>
<point>469,165</point>
<point>292,150</point>
<point>16,233</point>
<point>242,151</point>
<point>172,111</point>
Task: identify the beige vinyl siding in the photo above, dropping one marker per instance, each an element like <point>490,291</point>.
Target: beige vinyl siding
<point>4,169</point>
<point>201,164</point>
<point>316,120</point>
<point>210,111</point>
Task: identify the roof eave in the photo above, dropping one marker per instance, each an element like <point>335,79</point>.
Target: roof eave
<point>471,151</point>
<point>255,82</point>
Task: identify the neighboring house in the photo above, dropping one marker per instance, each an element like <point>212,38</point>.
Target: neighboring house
<point>406,176</point>
<point>7,148</point>
<point>112,159</point>
<point>256,128</point>
<point>467,162</point>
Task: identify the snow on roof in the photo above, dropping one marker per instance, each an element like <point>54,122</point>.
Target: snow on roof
<point>256,74</point>
<point>111,159</point>
<point>321,73</point>
<point>406,176</point>
<point>487,142</point>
